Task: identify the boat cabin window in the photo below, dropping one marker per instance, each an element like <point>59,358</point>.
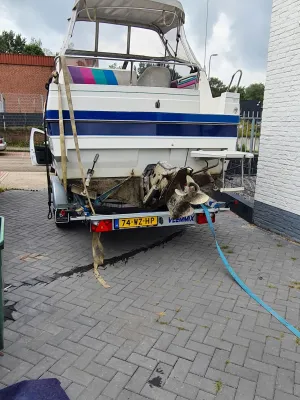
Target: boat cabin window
<point>83,36</point>
<point>146,43</point>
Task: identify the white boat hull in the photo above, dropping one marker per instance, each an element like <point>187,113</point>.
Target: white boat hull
<point>129,130</point>
<point>122,156</point>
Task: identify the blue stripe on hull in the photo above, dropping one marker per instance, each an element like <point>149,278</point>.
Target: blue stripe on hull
<point>146,117</point>
<point>145,129</point>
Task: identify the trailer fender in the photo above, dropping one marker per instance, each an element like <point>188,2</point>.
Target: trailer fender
<point>60,199</point>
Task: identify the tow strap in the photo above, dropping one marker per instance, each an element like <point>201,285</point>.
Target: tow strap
<point>97,247</point>
<point>242,284</point>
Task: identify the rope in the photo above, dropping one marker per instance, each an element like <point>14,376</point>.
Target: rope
<point>88,13</point>
<point>242,284</point>
<point>174,16</point>
<point>96,244</point>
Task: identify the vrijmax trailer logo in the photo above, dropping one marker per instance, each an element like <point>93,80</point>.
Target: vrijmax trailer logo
<point>181,220</point>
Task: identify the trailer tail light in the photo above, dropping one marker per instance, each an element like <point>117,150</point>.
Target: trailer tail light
<point>62,213</point>
<point>201,218</point>
<point>102,226</point>
<point>1,141</point>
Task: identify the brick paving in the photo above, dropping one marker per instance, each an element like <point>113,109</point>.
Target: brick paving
<point>173,325</point>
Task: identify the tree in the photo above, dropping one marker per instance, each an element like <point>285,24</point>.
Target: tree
<point>34,48</point>
<point>114,66</point>
<point>174,74</point>
<point>252,92</point>
<point>241,91</point>
<point>12,43</point>
<point>255,92</point>
<point>217,87</point>
<point>142,66</point>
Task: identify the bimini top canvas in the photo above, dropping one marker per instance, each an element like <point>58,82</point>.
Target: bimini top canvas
<point>161,15</point>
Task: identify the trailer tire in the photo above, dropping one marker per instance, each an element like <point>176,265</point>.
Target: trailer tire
<point>62,226</point>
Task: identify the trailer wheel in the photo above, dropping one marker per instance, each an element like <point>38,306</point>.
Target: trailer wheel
<point>61,226</point>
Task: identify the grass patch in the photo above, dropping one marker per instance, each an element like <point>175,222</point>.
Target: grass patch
<point>160,315</point>
<point>229,251</point>
<point>178,310</point>
<point>227,362</point>
<point>218,386</point>
<point>272,337</point>
<point>181,328</point>
<point>205,326</point>
<point>293,258</point>
<point>180,319</point>
<point>281,335</point>
<point>225,247</point>
<point>279,245</point>
<point>270,286</point>
<point>297,341</point>
<point>295,285</point>
<point>2,190</point>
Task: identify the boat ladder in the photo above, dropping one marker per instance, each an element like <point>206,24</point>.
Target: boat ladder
<point>223,156</point>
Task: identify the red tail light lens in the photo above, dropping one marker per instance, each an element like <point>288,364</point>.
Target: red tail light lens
<point>102,226</point>
<point>1,141</point>
<point>201,218</point>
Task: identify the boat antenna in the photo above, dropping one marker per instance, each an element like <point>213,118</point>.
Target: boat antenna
<point>206,33</point>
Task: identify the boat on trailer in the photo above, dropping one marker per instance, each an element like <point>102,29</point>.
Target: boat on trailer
<point>144,128</point>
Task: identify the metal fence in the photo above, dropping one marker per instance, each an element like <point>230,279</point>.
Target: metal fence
<point>20,120</point>
<point>21,110</point>
<point>249,132</point>
<point>21,103</point>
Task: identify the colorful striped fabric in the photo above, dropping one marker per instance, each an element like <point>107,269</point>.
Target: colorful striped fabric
<point>92,76</point>
<point>182,83</point>
<point>189,81</point>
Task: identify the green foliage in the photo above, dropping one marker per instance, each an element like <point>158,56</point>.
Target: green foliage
<point>115,66</point>
<point>252,92</point>
<point>255,92</point>
<point>241,90</point>
<point>218,386</point>
<point>217,87</point>
<point>12,43</point>
<point>34,48</point>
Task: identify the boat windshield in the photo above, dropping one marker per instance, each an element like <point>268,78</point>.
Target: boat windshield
<point>111,45</point>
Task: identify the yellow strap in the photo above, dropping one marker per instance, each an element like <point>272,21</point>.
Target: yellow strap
<point>96,244</point>
<point>99,277</point>
<point>73,125</point>
<point>62,138</point>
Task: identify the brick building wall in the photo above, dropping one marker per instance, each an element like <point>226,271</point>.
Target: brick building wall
<point>22,81</point>
<point>277,199</point>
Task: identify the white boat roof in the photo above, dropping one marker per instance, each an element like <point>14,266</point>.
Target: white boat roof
<point>151,14</point>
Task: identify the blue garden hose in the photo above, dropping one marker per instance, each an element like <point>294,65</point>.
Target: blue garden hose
<point>242,284</point>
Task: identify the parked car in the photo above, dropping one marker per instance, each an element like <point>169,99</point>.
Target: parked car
<point>2,144</point>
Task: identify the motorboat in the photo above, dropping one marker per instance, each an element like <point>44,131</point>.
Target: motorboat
<point>148,130</point>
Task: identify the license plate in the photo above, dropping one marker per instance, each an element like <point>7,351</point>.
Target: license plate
<point>127,223</point>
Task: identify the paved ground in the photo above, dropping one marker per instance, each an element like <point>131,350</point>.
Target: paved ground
<point>18,162</point>
<point>16,171</point>
<point>173,325</point>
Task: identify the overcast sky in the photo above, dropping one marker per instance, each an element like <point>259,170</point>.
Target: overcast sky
<point>238,30</point>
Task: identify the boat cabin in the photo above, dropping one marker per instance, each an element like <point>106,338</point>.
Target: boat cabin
<point>149,46</point>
